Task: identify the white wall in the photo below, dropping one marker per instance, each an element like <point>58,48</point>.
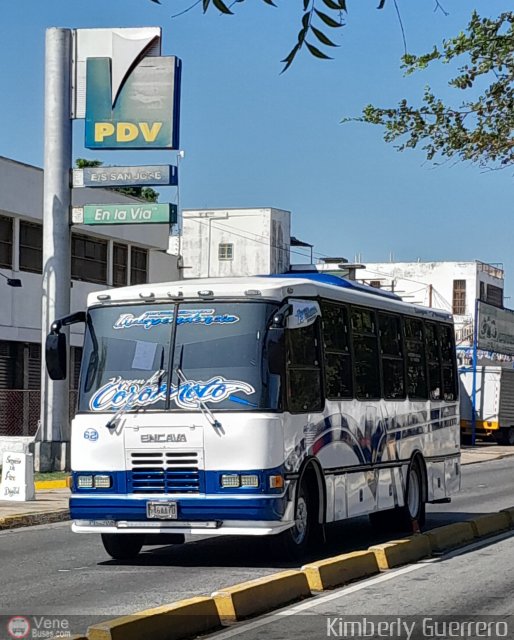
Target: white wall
<point>248,230</point>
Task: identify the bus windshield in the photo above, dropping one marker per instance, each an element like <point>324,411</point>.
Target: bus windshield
<point>133,355</point>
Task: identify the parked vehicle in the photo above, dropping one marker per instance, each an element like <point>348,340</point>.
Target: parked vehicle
<point>494,402</point>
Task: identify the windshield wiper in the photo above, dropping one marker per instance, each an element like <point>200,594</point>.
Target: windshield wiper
<point>125,407</point>
<point>206,412</point>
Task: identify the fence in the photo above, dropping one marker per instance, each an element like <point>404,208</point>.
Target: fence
<point>20,411</point>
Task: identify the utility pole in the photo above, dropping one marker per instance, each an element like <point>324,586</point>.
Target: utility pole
<point>56,239</point>
<point>430,295</point>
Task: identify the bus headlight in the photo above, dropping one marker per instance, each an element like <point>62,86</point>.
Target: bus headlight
<point>85,482</point>
<point>231,480</point>
<point>250,481</point>
<point>103,482</point>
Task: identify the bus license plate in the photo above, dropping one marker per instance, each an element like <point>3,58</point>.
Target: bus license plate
<point>161,510</point>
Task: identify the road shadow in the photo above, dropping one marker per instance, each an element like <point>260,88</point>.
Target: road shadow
<point>354,534</point>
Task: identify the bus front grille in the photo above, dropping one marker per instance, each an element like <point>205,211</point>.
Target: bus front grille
<point>164,472</point>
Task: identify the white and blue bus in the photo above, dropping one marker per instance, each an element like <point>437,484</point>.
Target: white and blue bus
<point>263,406</point>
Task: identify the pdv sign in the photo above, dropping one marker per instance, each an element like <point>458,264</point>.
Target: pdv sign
<point>146,110</point>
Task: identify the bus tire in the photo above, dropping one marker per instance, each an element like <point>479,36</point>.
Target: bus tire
<point>506,436</point>
<point>414,504</point>
<point>294,543</point>
<point>124,546</point>
<point>403,518</point>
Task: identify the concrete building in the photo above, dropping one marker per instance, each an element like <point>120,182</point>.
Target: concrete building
<point>234,242</point>
<point>452,286</point>
<point>102,256</point>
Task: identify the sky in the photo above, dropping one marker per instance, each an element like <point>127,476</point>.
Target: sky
<point>255,137</point>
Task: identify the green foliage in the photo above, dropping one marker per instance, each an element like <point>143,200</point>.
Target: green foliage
<point>144,193</point>
<point>479,129</point>
<point>317,16</point>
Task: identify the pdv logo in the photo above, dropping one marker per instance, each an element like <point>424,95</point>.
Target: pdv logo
<point>18,627</point>
<point>91,435</point>
<point>144,114</point>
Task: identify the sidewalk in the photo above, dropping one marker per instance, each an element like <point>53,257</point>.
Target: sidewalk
<point>49,506</point>
<point>52,505</point>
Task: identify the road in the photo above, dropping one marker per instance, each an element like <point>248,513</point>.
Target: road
<point>468,588</point>
<point>47,570</point>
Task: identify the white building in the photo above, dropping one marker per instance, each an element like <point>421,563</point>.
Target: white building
<point>452,286</point>
<point>234,242</point>
<point>102,256</point>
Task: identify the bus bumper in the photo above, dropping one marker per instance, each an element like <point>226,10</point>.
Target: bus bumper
<point>207,528</point>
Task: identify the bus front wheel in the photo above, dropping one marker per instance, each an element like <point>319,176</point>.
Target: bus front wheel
<point>123,546</point>
<point>294,542</point>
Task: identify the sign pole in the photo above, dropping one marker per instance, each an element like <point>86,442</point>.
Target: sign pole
<point>56,236</point>
<point>474,387</point>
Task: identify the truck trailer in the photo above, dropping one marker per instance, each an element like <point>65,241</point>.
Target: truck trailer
<point>494,403</point>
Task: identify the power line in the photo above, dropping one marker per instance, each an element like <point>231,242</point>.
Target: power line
<point>257,237</point>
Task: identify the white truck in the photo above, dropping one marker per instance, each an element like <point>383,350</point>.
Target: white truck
<point>494,403</point>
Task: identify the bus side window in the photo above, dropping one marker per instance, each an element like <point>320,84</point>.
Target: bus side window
<point>336,349</point>
<point>415,351</point>
<point>435,386</point>
<point>303,369</point>
<point>447,340</point>
<point>365,349</point>
<point>393,370</point>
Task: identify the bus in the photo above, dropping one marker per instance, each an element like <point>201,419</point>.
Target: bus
<point>260,406</point>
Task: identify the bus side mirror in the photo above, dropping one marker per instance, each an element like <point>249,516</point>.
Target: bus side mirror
<point>55,352</point>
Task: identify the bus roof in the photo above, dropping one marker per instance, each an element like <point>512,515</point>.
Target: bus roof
<point>274,287</point>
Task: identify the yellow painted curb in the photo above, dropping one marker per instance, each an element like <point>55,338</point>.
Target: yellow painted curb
<point>263,594</point>
<point>337,571</point>
<point>510,514</point>
<point>491,523</point>
<point>31,519</point>
<point>183,619</point>
<point>451,535</point>
<point>398,552</point>
<point>45,485</point>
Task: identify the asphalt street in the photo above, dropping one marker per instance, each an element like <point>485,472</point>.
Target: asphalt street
<point>467,594</point>
<point>48,570</point>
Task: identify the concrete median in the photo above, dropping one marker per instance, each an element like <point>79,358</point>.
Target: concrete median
<point>259,596</point>
<point>450,536</point>
<point>340,570</point>
<point>184,619</point>
<point>491,524</point>
<point>399,552</point>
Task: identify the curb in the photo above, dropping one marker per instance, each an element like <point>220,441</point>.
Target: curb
<point>31,519</point>
<point>175,621</point>
<point>261,595</point>
<point>48,485</point>
<point>188,618</point>
<point>340,570</point>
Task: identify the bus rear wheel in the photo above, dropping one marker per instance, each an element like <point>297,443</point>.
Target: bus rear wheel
<point>413,510</point>
<point>123,546</point>
<point>414,505</point>
<point>505,436</point>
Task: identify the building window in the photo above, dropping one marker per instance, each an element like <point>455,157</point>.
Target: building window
<point>375,283</point>
<point>138,266</point>
<point>119,265</point>
<point>88,259</point>
<point>31,247</point>
<point>459,297</point>
<point>494,296</point>
<point>6,242</point>
<point>226,251</point>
